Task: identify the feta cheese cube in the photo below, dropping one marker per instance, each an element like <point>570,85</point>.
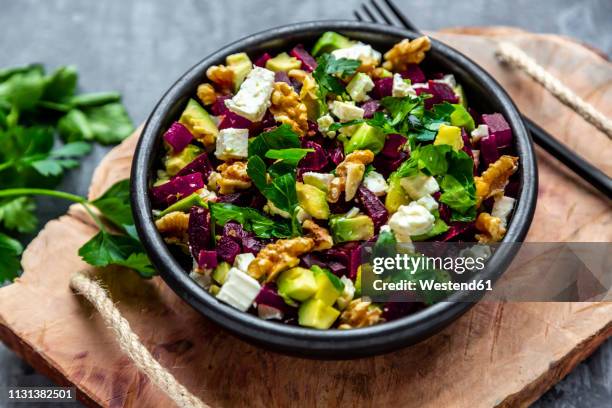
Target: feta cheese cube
<point>376,183</point>
<point>480,132</point>
<point>359,51</point>
<point>202,279</point>
<point>401,88</point>
<point>324,123</point>
<point>348,293</point>
<point>448,80</point>
<point>419,185</point>
<point>353,212</point>
<point>502,207</point>
<point>253,97</point>
<point>359,87</point>
<point>346,111</point>
<point>319,180</point>
<point>428,202</point>
<point>242,261</point>
<point>232,144</point>
<point>409,220</point>
<point>239,290</point>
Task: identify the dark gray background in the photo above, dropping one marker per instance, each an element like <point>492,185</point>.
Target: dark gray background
<point>140,47</point>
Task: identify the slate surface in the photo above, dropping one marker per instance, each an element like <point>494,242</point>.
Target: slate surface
<point>140,47</point>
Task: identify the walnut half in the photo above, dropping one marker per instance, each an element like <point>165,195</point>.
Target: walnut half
<point>494,179</point>
<point>288,108</point>
<point>360,313</point>
<point>279,256</point>
<point>492,228</point>
<point>322,239</point>
<point>173,227</point>
<point>349,174</point>
<point>233,177</point>
<point>406,52</point>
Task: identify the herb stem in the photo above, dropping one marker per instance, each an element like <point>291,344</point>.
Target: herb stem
<point>6,165</point>
<point>11,192</point>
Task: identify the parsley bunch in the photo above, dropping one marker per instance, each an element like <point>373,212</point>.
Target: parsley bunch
<point>45,129</point>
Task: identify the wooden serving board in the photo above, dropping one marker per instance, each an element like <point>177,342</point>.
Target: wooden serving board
<point>497,354</point>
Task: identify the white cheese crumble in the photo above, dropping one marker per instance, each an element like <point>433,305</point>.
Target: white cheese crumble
<point>409,220</point>
<point>428,202</point>
<point>232,144</point>
<point>502,207</point>
<point>253,97</point>
<point>239,290</point>
<point>401,88</point>
<point>242,261</point>
<point>376,183</point>
<point>359,87</point>
<point>480,132</point>
<point>419,185</point>
<point>346,111</point>
<point>359,51</point>
<point>324,123</point>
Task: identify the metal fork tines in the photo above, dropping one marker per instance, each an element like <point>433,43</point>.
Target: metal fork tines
<point>387,13</point>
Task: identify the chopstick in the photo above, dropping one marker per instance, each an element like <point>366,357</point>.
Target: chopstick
<point>558,150</point>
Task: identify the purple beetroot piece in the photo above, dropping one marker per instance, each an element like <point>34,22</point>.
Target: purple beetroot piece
<point>175,189</point>
<point>207,259</point>
<point>232,120</point>
<point>178,137</point>
<point>200,164</point>
<point>488,150</point>
<point>198,230</point>
<point>261,61</point>
<point>281,76</point>
<point>499,128</point>
<point>440,92</point>
<point>414,73</point>
<point>308,62</point>
<point>373,207</point>
<point>456,231</point>
<point>382,87</point>
<point>313,161</point>
<point>218,108</point>
<point>370,107</point>
<point>227,249</point>
<point>268,295</point>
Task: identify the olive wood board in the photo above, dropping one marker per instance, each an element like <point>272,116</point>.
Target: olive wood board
<point>495,355</point>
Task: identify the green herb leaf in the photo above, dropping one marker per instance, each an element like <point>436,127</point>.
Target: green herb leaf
<point>282,137</point>
<point>290,156</point>
<point>18,214</point>
<point>23,90</point>
<point>61,84</point>
<point>458,196</point>
<point>10,251</point>
<point>95,99</point>
<point>438,228</point>
<point>329,69</point>
<point>106,249</point>
<point>250,219</point>
<point>75,126</point>
<point>110,123</point>
<point>114,204</point>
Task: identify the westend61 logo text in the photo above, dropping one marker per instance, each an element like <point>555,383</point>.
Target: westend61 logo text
<point>412,264</point>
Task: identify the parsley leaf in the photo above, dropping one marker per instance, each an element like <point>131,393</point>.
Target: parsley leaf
<point>282,137</point>
<point>106,249</point>
<point>18,214</point>
<point>106,124</point>
<point>290,156</point>
<point>281,191</point>
<point>61,85</point>
<point>328,70</point>
<point>458,196</point>
<point>114,204</point>
<point>250,219</point>
<point>10,250</point>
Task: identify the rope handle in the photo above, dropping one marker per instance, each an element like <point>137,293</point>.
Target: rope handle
<point>131,344</point>
<point>514,56</point>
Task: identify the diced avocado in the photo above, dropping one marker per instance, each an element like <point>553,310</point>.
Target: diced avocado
<point>366,137</point>
<point>384,73</point>
<point>318,180</point>
<point>462,118</point>
<point>449,135</point>
<point>330,41</point>
<point>283,62</point>
<point>461,95</point>
<point>357,228</point>
<point>214,289</point>
<point>297,283</point>
<point>175,162</point>
<point>313,200</point>
<point>220,272</point>
<point>185,204</point>
<point>396,195</point>
<point>240,64</point>
<point>358,283</point>
<point>200,124</point>
<point>316,314</point>
<point>329,286</point>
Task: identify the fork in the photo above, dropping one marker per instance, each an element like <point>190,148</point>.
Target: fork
<point>562,153</point>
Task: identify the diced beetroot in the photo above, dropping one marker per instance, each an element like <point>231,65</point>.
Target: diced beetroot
<point>445,212</point>
<point>308,62</point>
<point>499,128</point>
<point>467,146</point>
<point>392,146</point>
<point>386,165</point>
<point>268,295</point>
<point>313,161</point>
<point>414,73</point>
<point>200,164</point>
<point>382,87</point>
<point>207,259</point>
<point>488,150</point>
<point>281,76</point>
<point>252,244</point>
<point>396,310</point>
<point>240,199</point>
<point>218,108</point>
<point>178,137</point>
<point>347,255</point>
<point>232,120</point>
<point>440,92</point>
<point>175,189</point>
<point>512,189</point>
<point>458,230</point>
<point>336,153</point>
<point>370,107</point>
<point>198,230</point>
<point>437,75</point>
<point>373,207</point>
<point>234,230</point>
<point>227,249</point>
<point>261,61</point>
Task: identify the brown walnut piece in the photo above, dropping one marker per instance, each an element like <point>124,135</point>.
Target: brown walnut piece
<point>406,52</point>
<point>206,93</point>
<point>321,237</point>
<point>360,313</point>
<point>350,171</point>
<point>492,228</point>
<point>494,179</point>
<point>279,256</point>
<point>173,227</point>
<point>221,76</point>
<point>288,108</point>
<point>233,177</point>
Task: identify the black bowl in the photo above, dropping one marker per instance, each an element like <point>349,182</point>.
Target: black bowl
<point>483,92</point>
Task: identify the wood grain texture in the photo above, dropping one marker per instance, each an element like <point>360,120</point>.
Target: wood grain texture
<point>497,354</point>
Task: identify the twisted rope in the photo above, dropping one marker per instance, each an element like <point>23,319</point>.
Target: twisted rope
<point>130,343</point>
<point>514,56</point>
